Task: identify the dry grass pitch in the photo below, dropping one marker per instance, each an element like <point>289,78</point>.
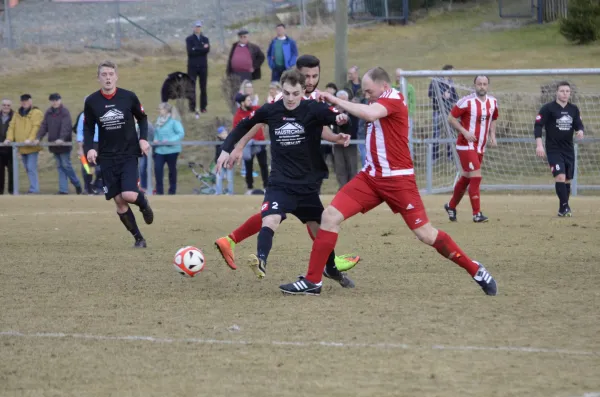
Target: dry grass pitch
<point>84,314</point>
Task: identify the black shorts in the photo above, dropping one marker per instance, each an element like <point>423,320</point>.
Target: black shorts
<point>119,175</point>
<point>562,163</point>
<point>305,207</point>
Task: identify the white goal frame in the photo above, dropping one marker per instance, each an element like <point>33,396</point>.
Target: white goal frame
<point>432,184</point>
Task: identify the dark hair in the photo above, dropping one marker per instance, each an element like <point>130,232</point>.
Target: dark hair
<point>332,85</point>
<point>447,67</point>
<point>379,74</point>
<point>308,61</point>
<point>281,24</point>
<point>481,75</point>
<point>563,83</point>
<point>293,77</point>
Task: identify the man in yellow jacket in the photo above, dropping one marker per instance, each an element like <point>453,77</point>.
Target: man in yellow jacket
<point>23,129</point>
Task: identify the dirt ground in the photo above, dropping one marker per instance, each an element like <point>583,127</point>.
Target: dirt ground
<point>83,314</point>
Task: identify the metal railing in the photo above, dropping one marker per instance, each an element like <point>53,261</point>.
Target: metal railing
<point>429,164</point>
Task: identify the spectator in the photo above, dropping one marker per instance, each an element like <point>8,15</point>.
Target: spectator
<point>353,85</point>
<point>6,157</point>
<point>198,46</point>
<point>251,150</point>
<point>144,159</point>
<point>246,88</point>
<point>282,53</point>
<point>245,59</point>
<point>221,135</point>
<point>411,100</point>
<point>168,129</point>
<point>326,149</point>
<point>57,125</point>
<point>443,97</point>
<point>331,88</point>
<point>88,187</point>
<point>274,92</point>
<point>22,129</point>
<point>361,135</point>
<point>346,158</point>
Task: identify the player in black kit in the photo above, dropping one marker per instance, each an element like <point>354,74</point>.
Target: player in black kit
<point>295,129</point>
<point>560,119</point>
<point>113,110</point>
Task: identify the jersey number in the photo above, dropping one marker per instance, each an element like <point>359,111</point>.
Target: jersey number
<point>275,205</point>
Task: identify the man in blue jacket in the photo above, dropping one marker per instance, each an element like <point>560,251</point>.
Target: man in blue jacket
<point>198,48</point>
<point>282,53</point>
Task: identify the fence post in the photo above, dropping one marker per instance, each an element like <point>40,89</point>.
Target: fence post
<point>8,41</point>
<point>15,169</point>
<point>405,11</point>
<point>540,11</point>
<point>404,88</point>
<point>117,25</point>
<point>221,27</point>
<point>429,167</point>
<point>149,168</point>
<point>575,171</point>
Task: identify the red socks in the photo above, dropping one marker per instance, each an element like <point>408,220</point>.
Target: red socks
<point>450,250</point>
<point>322,247</point>
<point>459,191</point>
<point>474,194</point>
<point>249,228</point>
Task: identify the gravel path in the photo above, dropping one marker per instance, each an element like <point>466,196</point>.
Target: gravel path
<point>74,25</point>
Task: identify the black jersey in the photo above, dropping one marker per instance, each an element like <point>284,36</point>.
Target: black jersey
<point>560,124</point>
<point>295,142</point>
<point>114,115</point>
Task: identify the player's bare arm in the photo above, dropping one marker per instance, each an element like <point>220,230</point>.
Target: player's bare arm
<point>243,128</point>
<point>369,113</point>
<point>493,141</point>
<point>330,136</point>
<point>456,125</point>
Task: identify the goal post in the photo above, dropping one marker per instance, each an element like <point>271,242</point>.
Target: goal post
<point>512,164</point>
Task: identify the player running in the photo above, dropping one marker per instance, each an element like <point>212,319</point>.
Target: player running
<point>295,128</point>
<point>114,110</point>
<point>560,118</point>
<point>477,113</point>
<point>388,176</point>
<point>310,67</point>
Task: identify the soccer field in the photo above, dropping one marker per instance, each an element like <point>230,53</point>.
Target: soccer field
<point>84,314</point>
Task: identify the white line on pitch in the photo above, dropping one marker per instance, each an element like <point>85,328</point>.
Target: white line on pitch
<point>401,346</point>
<point>56,213</point>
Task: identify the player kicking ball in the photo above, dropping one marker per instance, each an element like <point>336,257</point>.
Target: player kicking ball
<point>388,176</point>
<point>310,67</point>
<point>115,111</point>
<point>295,129</point>
<point>561,119</point>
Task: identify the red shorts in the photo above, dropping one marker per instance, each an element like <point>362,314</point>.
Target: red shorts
<point>470,160</point>
<point>400,193</point>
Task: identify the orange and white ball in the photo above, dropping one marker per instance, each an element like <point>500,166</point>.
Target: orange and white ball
<point>189,261</point>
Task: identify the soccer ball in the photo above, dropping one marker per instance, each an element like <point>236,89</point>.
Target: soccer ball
<point>189,261</point>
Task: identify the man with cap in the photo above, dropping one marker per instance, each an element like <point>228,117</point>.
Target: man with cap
<point>23,129</point>
<point>245,59</point>
<point>198,48</point>
<point>57,125</point>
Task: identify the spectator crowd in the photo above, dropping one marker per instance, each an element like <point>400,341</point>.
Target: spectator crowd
<point>28,124</point>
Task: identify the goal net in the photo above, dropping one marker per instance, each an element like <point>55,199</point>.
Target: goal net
<point>512,164</point>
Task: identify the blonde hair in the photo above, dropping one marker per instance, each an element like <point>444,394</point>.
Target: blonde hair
<point>243,86</point>
<point>172,110</point>
<point>107,64</point>
<point>275,85</point>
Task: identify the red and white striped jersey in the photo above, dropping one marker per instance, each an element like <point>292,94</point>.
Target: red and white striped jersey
<point>475,116</point>
<point>387,139</point>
